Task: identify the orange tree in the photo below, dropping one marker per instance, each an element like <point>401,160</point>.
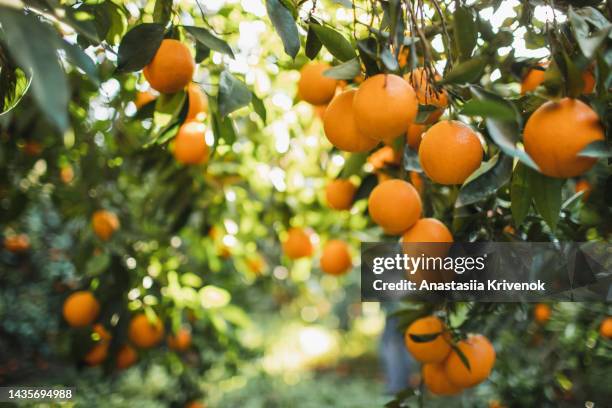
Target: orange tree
<point>156,166</point>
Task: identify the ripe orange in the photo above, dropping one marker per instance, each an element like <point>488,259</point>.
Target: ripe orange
<point>339,194</point>
<point>428,230</point>
<point>104,224</point>
<point>99,351</point>
<point>589,82</point>
<point>480,354</point>
<point>417,181</point>
<point>181,340</point>
<point>556,132</point>
<point>195,404</point>
<point>395,205</point>
<point>297,245</point>
<point>81,309</point>
<point>143,333</point>
<point>340,126</point>
<point>433,351</point>
<point>126,357</point>
<point>584,185</point>
<point>533,78</point>
<point>256,264</point>
<point>17,243</point>
<point>436,381</point>
<point>336,259</point>
<point>171,68</point>
<point>190,145</point>
<point>450,151</point>
<point>143,98</point>
<point>384,156</point>
<point>414,135</point>
<point>313,86</point>
<point>67,174</point>
<point>384,106</point>
<point>426,93</point>
<point>605,329</point>
<point>198,103</point>
<point>541,313</point>
<point>402,58</point>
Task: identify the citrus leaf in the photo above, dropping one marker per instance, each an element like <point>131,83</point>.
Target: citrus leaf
<point>347,70</point>
<point>424,338</point>
<point>411,160</point>
<point>353,164</point>
<point>389,60</point>
<point>365,188</point>
<point>599,149</point>
<point>209,40</point>
<point>313,44</point>
<point>233,94</point>
<point>162,11</point>
<point>488,109</point>
<point>465,72</point>
<point>285,26</point>
<point>485,181</point>
<point>14,83</point>
<point>77,57</point>
<point>465,32</point>
<point>138,46</point>
<point>259,107</point>
<point>335,42</point>
<point>520,194</point>
<point>462,356</point>
<point>546,193</point>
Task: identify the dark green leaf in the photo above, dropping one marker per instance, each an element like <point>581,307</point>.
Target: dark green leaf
<point>588,44</point>
<point>599,149</point>
<point>285,26</point>
<point>233,94</point>
<point>520,194</point>
<point>389,60</point>
<point>488,109</point>
<point>465,72</point>
<point>347,70</point>
<point>335,42</point>
<point>313,44</point>
<point>465,32</point>
<point>259,107</point>
<point>202,52</point>
<point>209,40</point>
<point>365,188</point>
<point>411,160</point>
<point>81,60</point>
<point>223,129</point>
<point>424,338</point>
<point>353,164</point>
<point>485,181</point>
<point>162,11</point>
<point>138,46</point>
<point>462,356</point>
<point>49,86</point>
<point>546,193</point>
<point>424,113</point>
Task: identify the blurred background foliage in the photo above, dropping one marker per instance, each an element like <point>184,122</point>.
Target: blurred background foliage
<point>199,246</point>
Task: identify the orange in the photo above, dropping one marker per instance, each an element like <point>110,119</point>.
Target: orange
<point>605,329</point>
<point>584,185</point>
<point>395,205</point>
<point>533,78</point>
<point>32,148</point>
<point>340,126</point>
<point>384,106</point>
<point>195,404</point>
<point>417,181</point>
<point>126,357</point>
<point>313,86</point>
<point>436,381</point>
<point>67,174</point>
<point>556,132</point>
<point>98,353</point>
<point>589,82</point>
<point>104,224</point>
<point>198,103</point>
<point>143,98</point>
<point>336,259</point>
<point>339,194</point>
<point>319,110</point>
<point>256,264</point>
<point>433,351</point>
<point>414,135</point>
<point>384,156</point>
<point>181,340</point>
<point>297,245</point>
<point>428,230</point>
<point>17,243</point>
<point>143,333</point>
<point>450,151</point>
<point>171,68</point>
<point>81,309</point>
<point>190,145</point>
<point>480,354</point>
<point>541,313</point>
<point>426,92</point>
<point>402,58</point>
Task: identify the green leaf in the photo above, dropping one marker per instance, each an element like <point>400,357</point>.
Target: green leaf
<point>365,188</point>
<point>138,46</point>
<point>14,83</point>
<point>589,45</point>
<point>353,164</point>
<point>347,70</point>
<point>166,117</point>
<point>233,94</point>
<point>505,133</point>
<point>389,60</point>
<point>599,149</point>
<point>209,40</point>
<point>424,338</point>
<point>546,193</point>
<point>465,32</point>
<point>285,26</point>
<point>424,113</point>
<point>162,11</point>
<point>485,181</point>
<point>488,109</point>
<point>465,72</point>
<point>259,107</point>
<point>462,356</point>
<point>76,55</point>
<point>335,42</point>
<point>313,44</point>
<point>49,86</point>
<point>411,160</point>
<point>520,194</point>
<point>573,77</point>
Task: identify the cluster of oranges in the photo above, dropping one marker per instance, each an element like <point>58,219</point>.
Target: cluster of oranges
<point>448,368</point>
<point>170,71</point>
<point>81,309</point>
